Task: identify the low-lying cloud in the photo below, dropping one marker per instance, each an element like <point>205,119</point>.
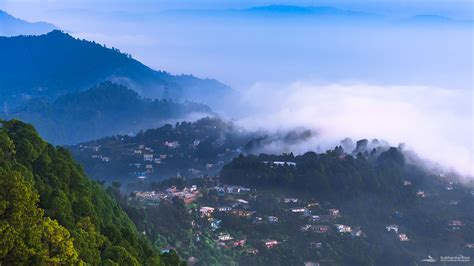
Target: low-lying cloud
<point>436,123</point>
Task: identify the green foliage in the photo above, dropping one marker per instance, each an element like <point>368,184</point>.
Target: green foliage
<point>88,241</point>
<point>82,222</point>
<point>120,255</point>
<point>21,219</point>
<point>57,244</point>
<point>329,175</point>
<point>27,237</point>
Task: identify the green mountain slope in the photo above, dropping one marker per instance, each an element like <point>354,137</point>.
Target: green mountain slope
<point>51,213</point>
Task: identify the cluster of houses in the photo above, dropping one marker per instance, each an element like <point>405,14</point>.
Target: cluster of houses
<point>421,194</point>
<point>188,195</point>
<point>333,214</point>
<point>401,236</point>
<point>279,163</point>
<point>144,160</point>
<point>268,219</point>
<point>238,201</point>
<point>95,149</point>
<point>455,224</point>
<point>171,150</point>
<point>340,228</point>
<point>231,189</point>
<point>100,157</point>
<point>237,205</point>
<point>315,228</point>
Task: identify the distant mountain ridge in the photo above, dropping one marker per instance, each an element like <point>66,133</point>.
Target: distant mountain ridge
<point>318,13</point>
<point>12,26</point>
<point>302,10</point>
<point>56,64</point>
<point>277,10</point>
<point>103,110</point>
<point>437,20</point>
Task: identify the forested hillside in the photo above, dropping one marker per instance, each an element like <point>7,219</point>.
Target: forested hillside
<point>51,213</point>
<point>54,64</point>
<point>378,191</point>
<point>332,174</point>
<point>367,204</point>
<point>361,207</point>
<point>103,110</point>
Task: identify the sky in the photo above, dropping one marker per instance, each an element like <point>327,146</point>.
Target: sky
<point>458,8</point>
<point>388,78</point>
<point>241,52</point>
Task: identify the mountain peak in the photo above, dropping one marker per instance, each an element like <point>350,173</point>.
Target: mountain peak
<point>4,13</point>
<point>303,10</point>
<point>57,33</point>
<point>57,63</point>
<point>12,26</point>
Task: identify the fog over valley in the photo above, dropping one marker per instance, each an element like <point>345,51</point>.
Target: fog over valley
<point>402,76</point>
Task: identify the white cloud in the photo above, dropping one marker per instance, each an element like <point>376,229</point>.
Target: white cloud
<point>436,123</point>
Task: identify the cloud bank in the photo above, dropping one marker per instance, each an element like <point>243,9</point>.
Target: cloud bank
<point>436,123</point>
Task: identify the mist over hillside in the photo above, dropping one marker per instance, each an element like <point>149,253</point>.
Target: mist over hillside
<point>436,123</point>
<point>103,110</point>
<point>322,53</point>
<point>54,64</point>
<point>248,197</point>
<point>386,45</point>
<point>12,26</point>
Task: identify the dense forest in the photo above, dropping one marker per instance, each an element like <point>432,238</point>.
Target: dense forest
<point>54,64</point>
<point>329,174</point>
<point>103,110</point>
<point>51,213</point>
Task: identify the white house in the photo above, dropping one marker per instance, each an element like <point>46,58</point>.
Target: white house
<point>272,219</point>
<point>392,227</point>
<point>148,157</point>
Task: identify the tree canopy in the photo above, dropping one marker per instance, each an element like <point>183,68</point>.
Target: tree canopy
<point>51,213</point>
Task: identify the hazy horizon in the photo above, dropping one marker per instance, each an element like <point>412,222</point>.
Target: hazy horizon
<point>242,52</point>
<point>388,77</point>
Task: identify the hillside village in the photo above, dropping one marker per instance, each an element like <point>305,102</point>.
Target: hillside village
<point>240,219</point>
<point>238,202</point>
<point>187,149</point>
<point>145,162</point>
